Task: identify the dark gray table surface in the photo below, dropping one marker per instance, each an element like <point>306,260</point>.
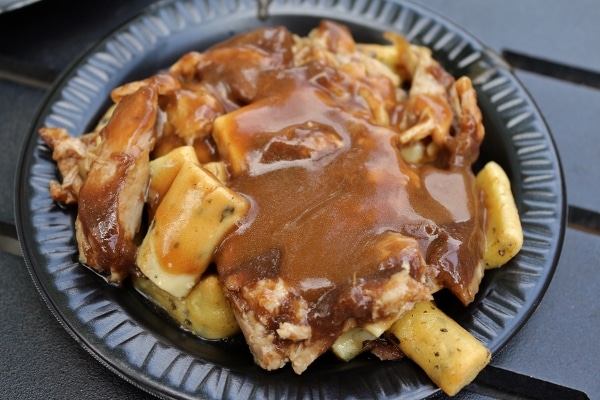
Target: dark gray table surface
<point>558,344</point>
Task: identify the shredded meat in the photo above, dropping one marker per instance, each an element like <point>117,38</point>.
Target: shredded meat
<point>112,197</point>
<point>74,157</point>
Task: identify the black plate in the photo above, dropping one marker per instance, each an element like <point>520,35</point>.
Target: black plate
<point>128,337</point>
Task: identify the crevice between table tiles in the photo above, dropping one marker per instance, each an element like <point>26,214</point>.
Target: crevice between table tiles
<point>25,73</point>
<point>8,239</point>
<point>583,220</point>
<point>500,383</point>
<point>552,69</point>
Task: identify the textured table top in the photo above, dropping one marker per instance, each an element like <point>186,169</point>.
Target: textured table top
<point>552,46</point>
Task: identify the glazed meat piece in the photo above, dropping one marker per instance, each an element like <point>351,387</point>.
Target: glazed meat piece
<point>189,107</point>
<point>190,113</point>
<point>112,197</point>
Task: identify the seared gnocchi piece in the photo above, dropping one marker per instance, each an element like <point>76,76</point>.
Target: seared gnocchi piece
<point>190,222</point>
<point>204,312</point>
<point>503,231</point>
<point>448,353</point>
<point>163,171</point>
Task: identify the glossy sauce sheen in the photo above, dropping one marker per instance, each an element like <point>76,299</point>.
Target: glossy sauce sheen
<point>116,185</point>
<point>332,201</point>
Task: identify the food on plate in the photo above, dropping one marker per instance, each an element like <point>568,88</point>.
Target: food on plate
<point>193,217</point>
<point>503,239</point>
<point>503,233</point>
<point>449,355</point>
<point>324,186</point>
<point>204,310</point>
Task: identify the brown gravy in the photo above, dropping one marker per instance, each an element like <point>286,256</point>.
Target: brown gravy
<point>333,202</point>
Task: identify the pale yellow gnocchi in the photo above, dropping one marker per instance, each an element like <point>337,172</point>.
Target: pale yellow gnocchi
<point>190,221</point>
<point>204,311</point>
<point>503,231</point>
